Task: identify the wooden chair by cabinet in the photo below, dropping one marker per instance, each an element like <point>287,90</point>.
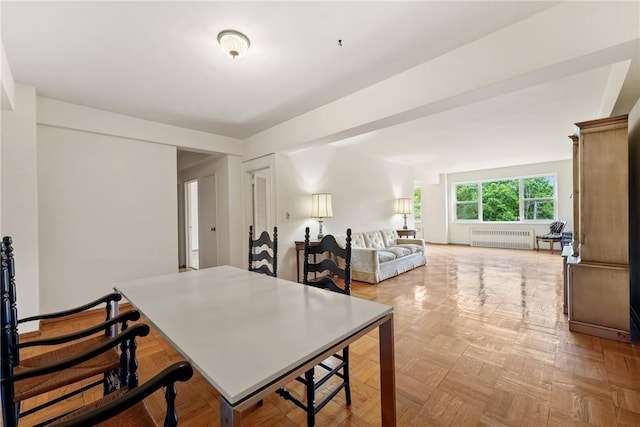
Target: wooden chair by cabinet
<point>554,235</point>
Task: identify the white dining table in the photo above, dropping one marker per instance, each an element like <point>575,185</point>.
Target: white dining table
<point>249,334</point>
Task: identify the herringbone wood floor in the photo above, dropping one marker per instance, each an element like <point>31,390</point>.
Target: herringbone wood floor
<point>480,340</point>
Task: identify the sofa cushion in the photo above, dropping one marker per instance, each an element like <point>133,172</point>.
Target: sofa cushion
<point>412,247</point>
<point>385,256</point>
<point>357,240</point>
<point>373,239</point>
<point>389,237</point>
<point>399,251</point>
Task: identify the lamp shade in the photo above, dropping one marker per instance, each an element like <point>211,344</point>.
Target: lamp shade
<point>404,206</point>
<point>321,205</point>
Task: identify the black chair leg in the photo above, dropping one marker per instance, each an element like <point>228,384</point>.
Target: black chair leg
<point>311,398</point>
<point>110,379</point>
<point>345,371</point>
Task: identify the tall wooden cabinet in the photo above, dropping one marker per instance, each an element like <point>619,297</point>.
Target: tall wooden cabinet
<point>599,276</point>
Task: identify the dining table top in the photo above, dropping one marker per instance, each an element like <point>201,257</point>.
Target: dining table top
<point>243,330</point>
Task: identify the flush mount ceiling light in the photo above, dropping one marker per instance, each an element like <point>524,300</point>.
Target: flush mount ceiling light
<point>234,43</point>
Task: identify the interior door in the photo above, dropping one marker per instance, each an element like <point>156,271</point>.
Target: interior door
<point>207,233</point>
<point>260,203</point>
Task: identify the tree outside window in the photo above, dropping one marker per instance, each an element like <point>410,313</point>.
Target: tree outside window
<point>467,201</point>
<point>538,198</point>
<point>501,200</point>
<point>507,200</point>
<point>417,203</point>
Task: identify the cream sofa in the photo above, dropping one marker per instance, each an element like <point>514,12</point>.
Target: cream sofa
<point>381,254</point>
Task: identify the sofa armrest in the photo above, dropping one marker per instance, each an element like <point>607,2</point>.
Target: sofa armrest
<point>364,259</point>
<point>419,242</point>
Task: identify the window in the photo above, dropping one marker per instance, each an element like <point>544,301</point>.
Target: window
<point>417,203</point>
<point>501,200</point>
<point>538,198</point>
<point>507,200</point>
<point>467,201</point>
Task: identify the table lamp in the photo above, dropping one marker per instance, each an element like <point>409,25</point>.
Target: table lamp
<point>321,208</point>
<point>404,206</point>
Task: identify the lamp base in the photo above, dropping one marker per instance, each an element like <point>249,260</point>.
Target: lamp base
<point>404,227</point>
<point>320,235</point>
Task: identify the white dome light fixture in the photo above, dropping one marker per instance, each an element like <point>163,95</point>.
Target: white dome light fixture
<point>234,43</point>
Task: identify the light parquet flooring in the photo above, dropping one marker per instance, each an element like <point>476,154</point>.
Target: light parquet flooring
<point>480,340</point>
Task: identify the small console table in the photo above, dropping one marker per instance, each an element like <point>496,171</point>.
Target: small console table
<point>406,233</point>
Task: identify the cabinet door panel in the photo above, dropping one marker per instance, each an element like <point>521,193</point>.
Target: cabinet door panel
<point>604,189</point>
<point>599,296</point>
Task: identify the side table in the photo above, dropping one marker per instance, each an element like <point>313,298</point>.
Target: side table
<point>403,233</point>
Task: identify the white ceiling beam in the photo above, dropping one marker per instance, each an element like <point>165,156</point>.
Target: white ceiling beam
<point>566,32</point>
<point>617,76</point>
<point>61,114</point>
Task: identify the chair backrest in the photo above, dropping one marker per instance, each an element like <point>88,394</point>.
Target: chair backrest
<point>9,410</point>
<point>337,262</point>
<point>7,249</point>
<point>265,261</point>
<point>556,227</point>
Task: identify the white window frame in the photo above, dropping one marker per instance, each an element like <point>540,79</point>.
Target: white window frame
<point>478,202</point>
<point>521,197</point>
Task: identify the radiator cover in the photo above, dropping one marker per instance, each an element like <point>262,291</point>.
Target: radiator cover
<point>501,238</point>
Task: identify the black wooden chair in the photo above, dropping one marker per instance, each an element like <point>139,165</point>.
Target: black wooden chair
<point>554,235</point>
<point>110,365</point>
<point>126,407</point>
<point>338,265</point>
<point>265,261</point>
<point>18,384</point>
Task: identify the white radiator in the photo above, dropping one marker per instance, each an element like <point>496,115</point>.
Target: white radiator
<point>501,238</point>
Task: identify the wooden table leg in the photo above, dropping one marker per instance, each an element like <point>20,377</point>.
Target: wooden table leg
<point>387,374</point>
<point>228,416</point>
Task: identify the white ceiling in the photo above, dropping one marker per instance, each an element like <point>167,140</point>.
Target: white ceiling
<point>160,61</point>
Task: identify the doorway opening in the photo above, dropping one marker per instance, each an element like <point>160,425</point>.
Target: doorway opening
<point>261,201</point>
<point>191,214</point>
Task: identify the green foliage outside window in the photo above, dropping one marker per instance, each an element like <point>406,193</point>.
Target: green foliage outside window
<point>501,201</point>
<point>467,201</point>
<point>417,203</point>
<point>538,198</point>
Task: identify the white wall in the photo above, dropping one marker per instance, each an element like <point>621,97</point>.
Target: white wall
<point>364,191</point>
<point>434,211</point>
<point>19,191</point>
<point>459,232</point>
<point>231,212</point>
<point>108,212</point>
